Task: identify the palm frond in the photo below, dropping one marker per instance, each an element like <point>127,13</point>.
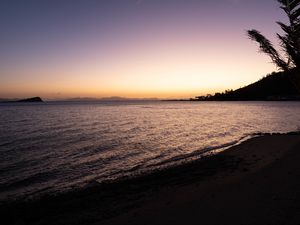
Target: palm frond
<point>284,27</point>
<point>294,4</point>
<point>295,14</point>
<point>288,48</point>
<point>289,41</point>
<point>266,46</point>
<point>289,5</point>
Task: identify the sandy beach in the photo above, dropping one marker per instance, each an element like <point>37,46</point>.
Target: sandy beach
<point>256,182</point>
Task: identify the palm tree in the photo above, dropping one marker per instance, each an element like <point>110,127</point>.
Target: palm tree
<point>290,41</point>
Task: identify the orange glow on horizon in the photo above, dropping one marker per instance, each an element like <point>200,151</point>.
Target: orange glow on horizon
<point>142,74</point>
<point>181,57</point>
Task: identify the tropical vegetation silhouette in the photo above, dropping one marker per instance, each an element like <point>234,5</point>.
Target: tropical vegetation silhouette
<point>284,85</point>
<point>289,41</point>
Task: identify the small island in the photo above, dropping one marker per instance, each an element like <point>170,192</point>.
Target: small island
<point>33,99</point>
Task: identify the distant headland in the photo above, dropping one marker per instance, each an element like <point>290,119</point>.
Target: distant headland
<point>277,86</point>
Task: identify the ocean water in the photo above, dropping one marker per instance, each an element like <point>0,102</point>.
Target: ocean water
<point>57,146</point>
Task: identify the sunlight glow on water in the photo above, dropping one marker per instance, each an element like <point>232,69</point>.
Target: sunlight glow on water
<point>52,147</point>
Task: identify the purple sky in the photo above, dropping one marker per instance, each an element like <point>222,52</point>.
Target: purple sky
<point>144,48</point>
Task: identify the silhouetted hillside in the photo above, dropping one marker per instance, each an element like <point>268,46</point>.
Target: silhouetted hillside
<point>276,86</point>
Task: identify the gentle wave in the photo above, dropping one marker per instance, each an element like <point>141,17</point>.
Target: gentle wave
<point>54,147</point>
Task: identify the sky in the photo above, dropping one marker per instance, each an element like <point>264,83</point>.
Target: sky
<point>131,48</point>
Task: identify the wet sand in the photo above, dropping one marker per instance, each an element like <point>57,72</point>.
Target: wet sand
<point>256,182</point>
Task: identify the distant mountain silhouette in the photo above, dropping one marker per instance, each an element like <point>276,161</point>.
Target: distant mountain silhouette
<point>275,86</point>
<point>113,98</point>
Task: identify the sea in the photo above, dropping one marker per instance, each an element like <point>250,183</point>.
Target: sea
<point>55,147</point>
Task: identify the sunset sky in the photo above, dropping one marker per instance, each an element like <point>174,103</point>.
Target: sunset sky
<point>132,48</point>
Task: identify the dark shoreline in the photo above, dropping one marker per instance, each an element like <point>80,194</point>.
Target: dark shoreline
<point>133,188</point>
<point>187,161</point>
<point>107,201</point>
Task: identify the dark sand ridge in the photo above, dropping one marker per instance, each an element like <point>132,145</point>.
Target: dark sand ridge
<point>256,182</point>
